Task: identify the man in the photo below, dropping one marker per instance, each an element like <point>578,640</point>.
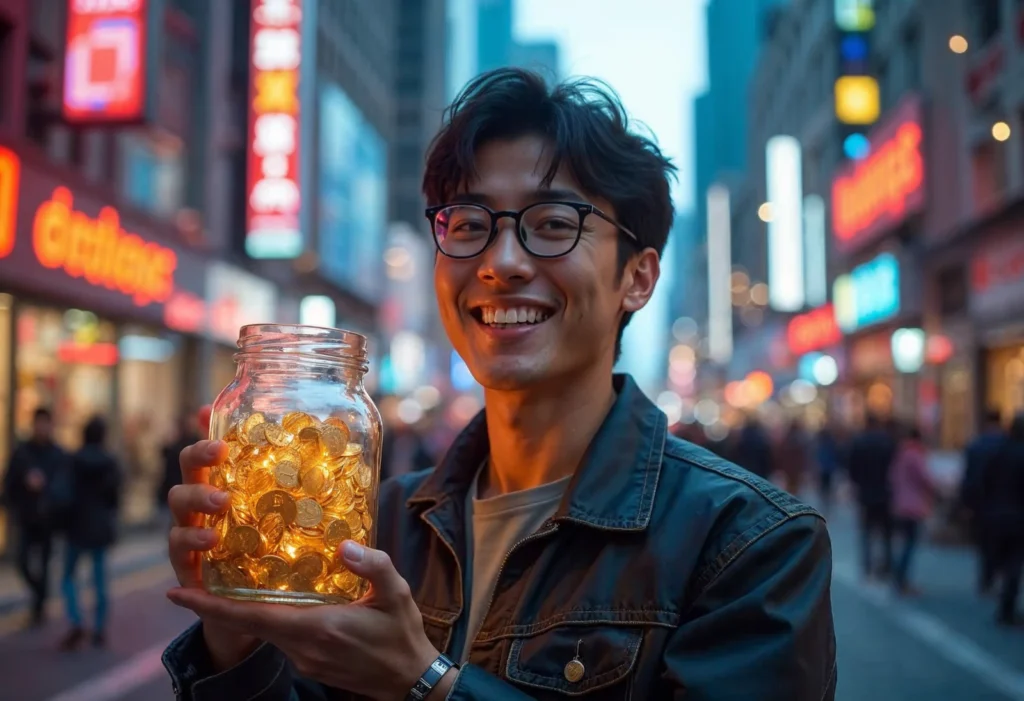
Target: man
<point>977,457</point>
<point>28,485</point>
<point>565,544</point>
<point>870,461</point>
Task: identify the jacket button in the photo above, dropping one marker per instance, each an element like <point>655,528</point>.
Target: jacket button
<point>573,671</point>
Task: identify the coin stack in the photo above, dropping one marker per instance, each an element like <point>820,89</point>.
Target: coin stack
<point>298,488</point>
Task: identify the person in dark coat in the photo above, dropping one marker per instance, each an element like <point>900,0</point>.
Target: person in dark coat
<point>1002,512</point>
<point>92,527</point>
<point>869,463</point>
<point>977,456</point>
<point>753,450</point>
<point>27,495</point>
<point>185,435</point>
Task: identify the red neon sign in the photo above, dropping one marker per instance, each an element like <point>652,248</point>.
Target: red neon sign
<point>88,353</point>
<point>273,194</point>
<point>813,331</point>
<point>877,193</point>
<point>100,251</point>
<point>105,61</point>
<point>10,173</point>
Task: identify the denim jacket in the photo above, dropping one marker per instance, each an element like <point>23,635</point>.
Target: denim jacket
<point>675,574</point>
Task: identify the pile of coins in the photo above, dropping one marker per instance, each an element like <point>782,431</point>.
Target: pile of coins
<point>298,489</point>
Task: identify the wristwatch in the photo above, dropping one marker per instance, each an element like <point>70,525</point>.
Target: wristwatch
<point>437,669</point>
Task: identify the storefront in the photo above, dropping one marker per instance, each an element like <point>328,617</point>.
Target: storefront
<point>997,307</point>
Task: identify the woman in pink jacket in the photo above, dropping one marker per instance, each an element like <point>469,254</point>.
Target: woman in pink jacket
<point>913,491</point>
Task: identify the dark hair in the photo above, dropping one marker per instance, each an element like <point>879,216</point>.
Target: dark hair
<point>42,413</point>
<point>589,132</point>
<point>1017,428</point>
<point>993,417</point>
<point>95,431</point>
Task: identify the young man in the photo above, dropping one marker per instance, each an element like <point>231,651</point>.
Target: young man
<point>566,544</point>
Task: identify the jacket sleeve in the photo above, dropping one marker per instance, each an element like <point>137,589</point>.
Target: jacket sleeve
<point>762,627</point>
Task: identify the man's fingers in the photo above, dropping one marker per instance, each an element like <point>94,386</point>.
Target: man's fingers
<point>376,566</point>
<point>185,544</point>
<point>264,621</point>
<point>200,455</point>
<point>188,502</point>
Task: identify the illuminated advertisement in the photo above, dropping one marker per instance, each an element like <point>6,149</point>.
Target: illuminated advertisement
<point>997,277</point>
<point>105,61</point>
<point>56,239</point>
<point>876,194</point>
<point>858,99</point>
<point>855,15</point>
<point>786,226</point>
<point>813,331</point>
<point>352,186</point>
<point>720,341</point>
<point>867,295</point>
<point>274,200</point>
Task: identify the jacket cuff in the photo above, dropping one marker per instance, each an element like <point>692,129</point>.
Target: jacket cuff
<point>474,684</point>
<point>262,676</point>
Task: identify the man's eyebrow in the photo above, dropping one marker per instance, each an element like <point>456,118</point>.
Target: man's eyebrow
<point>556,194</point>
<point>471,198</point>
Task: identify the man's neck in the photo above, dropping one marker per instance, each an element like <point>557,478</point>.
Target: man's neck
<point>540,437</point>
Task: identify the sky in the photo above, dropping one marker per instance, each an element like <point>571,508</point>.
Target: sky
<point>650,51</point>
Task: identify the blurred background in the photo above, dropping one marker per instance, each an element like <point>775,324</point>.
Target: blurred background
<point>849,242</point>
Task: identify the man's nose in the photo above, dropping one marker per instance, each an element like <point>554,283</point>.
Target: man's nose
<point>506,259</point>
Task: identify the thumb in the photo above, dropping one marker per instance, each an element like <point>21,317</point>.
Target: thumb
<point>376,567</point>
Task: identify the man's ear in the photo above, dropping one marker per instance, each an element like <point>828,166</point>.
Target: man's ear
<point>641,275</point>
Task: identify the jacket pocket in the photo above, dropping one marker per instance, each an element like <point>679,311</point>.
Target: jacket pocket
<point>592,661</point>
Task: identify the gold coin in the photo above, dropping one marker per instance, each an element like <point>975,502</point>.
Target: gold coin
<point>258,434</point>
<point>364,477</point>
<point>336,532</point>
<point>276,435</point>
<point>367,519</point>
<point>218,478</point>
<point>276,501</point>
<point>311,565</point>
<point>272,528</point>
<point>314,481</point>
<point>259,481</point>
<point>287,474</point>
<point>242,540</point>
<point>354,520</point>
<point>361,536</point>
<point>309,446</point>
<point>273,571</point>
<point>251,421</point>
<point>352,449</point>
<point>234,451</point>
<point>296,421</point>
<point>308,513</point>
<point>233,576</point>
<point>343,493</point>
<point>335,440</point>
<point>296,582</point>
<point>241,434</point>
<point>346,581</point>
<point>231,434</point>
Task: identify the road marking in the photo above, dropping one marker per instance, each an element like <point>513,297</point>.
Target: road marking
<point>122,586</point>
<point>928,629</point>
<point>118,681</point>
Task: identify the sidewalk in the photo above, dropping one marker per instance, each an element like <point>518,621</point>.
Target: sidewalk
<point>135,551</point>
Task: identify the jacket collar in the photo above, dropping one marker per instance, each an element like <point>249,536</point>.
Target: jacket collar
<point>615,485</point>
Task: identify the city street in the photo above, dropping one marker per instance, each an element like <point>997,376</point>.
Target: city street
<point>942,646</point>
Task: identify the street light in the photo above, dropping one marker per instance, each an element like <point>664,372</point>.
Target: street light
<point>1000,131</point>
<point>764,212</point>
<point>958,44</point>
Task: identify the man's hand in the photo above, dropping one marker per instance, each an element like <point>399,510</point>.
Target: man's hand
<point>375,647</point>
<point>188,539</point>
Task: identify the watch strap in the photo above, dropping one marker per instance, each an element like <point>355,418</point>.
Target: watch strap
<point>437,669</point>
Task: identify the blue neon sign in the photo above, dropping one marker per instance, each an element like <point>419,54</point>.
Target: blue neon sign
<point>869,294</point>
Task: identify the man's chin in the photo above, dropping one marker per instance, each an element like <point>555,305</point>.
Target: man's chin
<point>510,374</point>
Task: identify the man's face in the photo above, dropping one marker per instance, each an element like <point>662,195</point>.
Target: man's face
<point>42,428</point>
<point>567,309</point>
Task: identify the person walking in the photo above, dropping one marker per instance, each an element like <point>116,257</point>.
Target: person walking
<point>29,482</point>
<point>913,494</point>
<point>827,453</point>
<point>977,457</point>
<point>92,528</point>
<point>1002,513</point>
<point>869,462</point>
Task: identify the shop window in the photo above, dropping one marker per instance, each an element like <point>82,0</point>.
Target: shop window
<point>1004,380</point>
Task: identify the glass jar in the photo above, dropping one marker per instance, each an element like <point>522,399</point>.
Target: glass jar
<point>302,470</point>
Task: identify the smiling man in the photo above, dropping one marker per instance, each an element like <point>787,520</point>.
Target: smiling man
<point>567,545</point>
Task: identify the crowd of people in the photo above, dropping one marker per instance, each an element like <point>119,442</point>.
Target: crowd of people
<point>886,466</point>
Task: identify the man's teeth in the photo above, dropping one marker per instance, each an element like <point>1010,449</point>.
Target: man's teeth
<point>517,315</point>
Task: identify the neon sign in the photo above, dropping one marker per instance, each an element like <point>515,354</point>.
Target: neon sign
<point>10,173</point>
<point>105,61</point>
<point>813,331</point>
<point>100,251</point>
<point>868,295</point>
<point>273,192</point>
<point>877,193</point>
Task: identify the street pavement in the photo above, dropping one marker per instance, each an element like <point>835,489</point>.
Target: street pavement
<point>942,646</point>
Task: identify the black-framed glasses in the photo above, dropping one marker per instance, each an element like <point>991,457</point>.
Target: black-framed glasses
<point>544,229</point>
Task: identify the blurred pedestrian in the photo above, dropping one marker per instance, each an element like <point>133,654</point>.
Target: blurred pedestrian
<point>978,455</point>
<point>185,434</point>
<point>870,459</point>
<point>29,496</point>
<point>96,485</point>
<point>791,458</point>
<point>913,494</point>
<point>827,456</point>
<point>753,450</point>
<point>1002,513</point>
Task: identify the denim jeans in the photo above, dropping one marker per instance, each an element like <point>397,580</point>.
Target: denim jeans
<point>909,529</point>
<point>99,578</point>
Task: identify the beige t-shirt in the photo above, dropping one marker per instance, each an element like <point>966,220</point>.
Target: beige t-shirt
<point>493,526</point>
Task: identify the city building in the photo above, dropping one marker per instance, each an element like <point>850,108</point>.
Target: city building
<point>495,44</point>
<point>461,60</point>
<point>544,57</point>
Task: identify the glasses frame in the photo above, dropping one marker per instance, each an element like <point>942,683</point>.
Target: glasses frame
<point>582,209</point>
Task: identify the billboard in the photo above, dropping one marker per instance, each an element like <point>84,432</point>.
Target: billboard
<point>868,295</point>
<point>273,193</point>
<point>352,194</point>
<point>105,61</point>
